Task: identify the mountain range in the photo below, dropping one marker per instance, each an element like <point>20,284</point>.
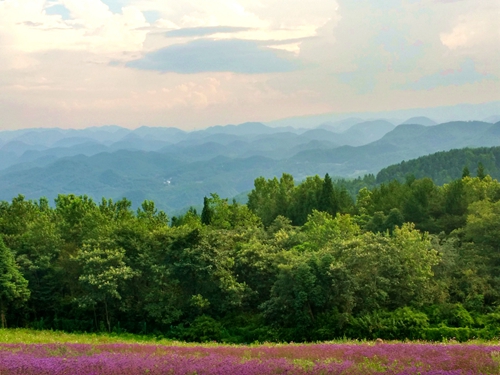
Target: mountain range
<point>177,168</point>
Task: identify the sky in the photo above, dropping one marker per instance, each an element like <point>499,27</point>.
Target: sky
<point>198,63</point>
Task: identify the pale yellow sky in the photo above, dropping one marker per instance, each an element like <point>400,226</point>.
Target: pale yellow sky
<point>196,63</point>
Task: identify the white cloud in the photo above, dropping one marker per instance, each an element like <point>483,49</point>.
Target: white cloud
<point>270,20</point>
<point>474,28</point>
<point>458,37</point>
<point>92,27</point>
<point>354,55</point>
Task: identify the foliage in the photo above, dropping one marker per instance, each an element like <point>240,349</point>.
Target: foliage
<point>446,166</point>
<point>300,262</point>
<point>13,286</point>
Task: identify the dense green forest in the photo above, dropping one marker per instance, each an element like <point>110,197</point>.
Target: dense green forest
<point>445,166</point>
<point>299,262</point>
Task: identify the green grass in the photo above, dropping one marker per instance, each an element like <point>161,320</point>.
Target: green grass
<point>30,336</point>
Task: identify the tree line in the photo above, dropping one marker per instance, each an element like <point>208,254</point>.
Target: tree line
<point>301,261</point>
<point>445,166</point>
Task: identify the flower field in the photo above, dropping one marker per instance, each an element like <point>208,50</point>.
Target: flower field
<point>132,359</point>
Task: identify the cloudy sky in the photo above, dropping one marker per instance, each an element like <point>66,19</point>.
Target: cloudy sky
<point>196,63</point>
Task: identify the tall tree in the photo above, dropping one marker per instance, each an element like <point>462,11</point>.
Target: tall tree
<point>13,286</point>
<point>149,214</point>
<point>465,172</point>
<point>480,171</point>
<point>104,272</point>
<point>305,199</point>
<point>327,201</point>
<point>207,212</point>
<point>262,199</point>
<point>284,196</point>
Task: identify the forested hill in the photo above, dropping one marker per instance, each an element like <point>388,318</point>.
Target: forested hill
<point>403,143</point>
<point>301,262</point>
<point>445,166</point>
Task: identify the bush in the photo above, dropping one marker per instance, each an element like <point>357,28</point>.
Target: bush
<point>204,328</point>
<point>451,315</point>
<point>448,333</point>
<point>400,324</point>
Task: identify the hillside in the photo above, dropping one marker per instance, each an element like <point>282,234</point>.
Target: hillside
<point>420,120</point>
<point>445,166</point>
<point>403,143</point>
<point>172,182</point>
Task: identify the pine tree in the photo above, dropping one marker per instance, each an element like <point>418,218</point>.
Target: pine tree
<point>327,200</point>
<point>480,171</point>
<point>465,172</point>
<point>207,212</point>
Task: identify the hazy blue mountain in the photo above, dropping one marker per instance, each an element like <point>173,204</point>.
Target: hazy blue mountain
<point>49,137</point>
<point>492,119</point>
<point>440,137</point>
<point>322,134</point>
<point>366,132</point>
<point>73,141</point>
<point>247,128</point>
<point>342,125</point>
<point>11,151</point>
<point>179,174</point>
<point>139,175</point>
<point>134,142</point>
<point>104,134</point>
<point>45,137</point>
<point>18,147</point>
<point>242,129</point>
<point>441,114</point>
<point>403,143</point>
<point>312,145</point>
<point>222,138</point>
<point>7,159</point>
<point>170,135</point>
<point>244,140</point>
<point>203,151</point>
<point>420,120</point>
<point>106,174</point>
<point>355,134</point>
<point>275,146</point>
<point>42,158</point>
<point>283,145</point>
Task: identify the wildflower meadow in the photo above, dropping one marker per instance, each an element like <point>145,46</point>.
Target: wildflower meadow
<point>213,359</point>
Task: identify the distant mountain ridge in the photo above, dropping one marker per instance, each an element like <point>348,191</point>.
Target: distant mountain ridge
<point>465,112</point>
<point>403,143</point>
<point>145,164</point>
<point>420,120</point>
<point>244,140</point>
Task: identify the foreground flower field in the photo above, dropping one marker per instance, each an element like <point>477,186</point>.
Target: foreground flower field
<point>352,359</point>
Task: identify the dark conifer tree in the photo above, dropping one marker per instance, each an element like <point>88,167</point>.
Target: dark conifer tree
<point>327,200</point>
<point>480,171</point>
<point>207,212</point>
<point>465,172</point>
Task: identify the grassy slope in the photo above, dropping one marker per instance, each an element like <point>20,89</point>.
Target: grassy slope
<point>29,336</point>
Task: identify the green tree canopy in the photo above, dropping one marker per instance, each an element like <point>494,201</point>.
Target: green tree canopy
<point>13,286</point>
